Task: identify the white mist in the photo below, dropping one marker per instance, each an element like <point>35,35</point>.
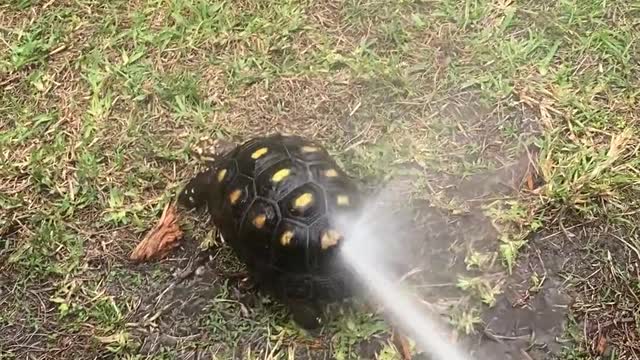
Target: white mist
<point>374,241</point>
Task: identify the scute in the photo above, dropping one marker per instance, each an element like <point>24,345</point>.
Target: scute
<point>336,191</point>
<point>305,150</point>
<point>251,166</point>
<point>279,179</point>
<point>229,168</point>
<point>293,254</point>
<point>324,171</point>
<point>239,194</point>
<point>337,186</point>
<point>261,219</point>
<point>317,255</point>
<point>305,203</point>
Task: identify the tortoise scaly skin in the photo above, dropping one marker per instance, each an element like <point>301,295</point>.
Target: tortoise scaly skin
<point>272,199</point>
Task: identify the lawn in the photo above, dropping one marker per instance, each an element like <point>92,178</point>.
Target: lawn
<point>510,127</point>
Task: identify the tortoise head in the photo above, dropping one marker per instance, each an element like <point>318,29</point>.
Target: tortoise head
<point>198,191</point>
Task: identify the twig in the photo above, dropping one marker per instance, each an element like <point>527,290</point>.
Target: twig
<point>565,230</point>
<point>525,354</point>
<point>619,321</point>
<point>499,338</point>
<point>191,268</point>
<point>631,247</point>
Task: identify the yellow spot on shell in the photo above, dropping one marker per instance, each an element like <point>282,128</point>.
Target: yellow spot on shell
<point>259,153</point>
<point>303,201</point>
<point>286,237</point>
<point>280,175</point>
<point>234,196</point>
<point>259,221</point>
<point>331,173</point>
<point>330,238</point>
<point>309,149</point>
<point>343,200</point>
<point>221,174</point>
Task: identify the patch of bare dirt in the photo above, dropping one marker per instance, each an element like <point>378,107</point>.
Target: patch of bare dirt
<point>529,314</point>
<point>529,318</point>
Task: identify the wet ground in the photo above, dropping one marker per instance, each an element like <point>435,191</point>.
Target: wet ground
<point>208,310</point>
<point>528,318</point>
<point>528,321</point>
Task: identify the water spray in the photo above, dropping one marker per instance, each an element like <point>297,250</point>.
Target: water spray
<point>368,251</point>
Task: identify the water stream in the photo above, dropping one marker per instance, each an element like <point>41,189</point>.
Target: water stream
<point>368,251</point>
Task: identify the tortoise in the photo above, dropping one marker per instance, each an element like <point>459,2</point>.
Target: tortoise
<point>274,199</point>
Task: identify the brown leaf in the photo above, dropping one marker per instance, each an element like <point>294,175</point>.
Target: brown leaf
<point>530,181</point>
<point>161,239</point>
<point>602,345</point>
<point>402,344</point>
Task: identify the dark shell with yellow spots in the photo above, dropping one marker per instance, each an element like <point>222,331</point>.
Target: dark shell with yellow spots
<point>271,199</point>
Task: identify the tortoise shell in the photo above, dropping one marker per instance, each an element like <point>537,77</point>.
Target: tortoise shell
<point>273,199</point>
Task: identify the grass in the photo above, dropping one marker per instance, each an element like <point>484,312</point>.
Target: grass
<point>101,103</point>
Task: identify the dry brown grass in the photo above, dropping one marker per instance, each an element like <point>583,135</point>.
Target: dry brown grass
<point>101,101</point>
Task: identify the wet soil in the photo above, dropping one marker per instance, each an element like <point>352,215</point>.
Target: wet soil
<point>529,318</point>
<point>525,322</point>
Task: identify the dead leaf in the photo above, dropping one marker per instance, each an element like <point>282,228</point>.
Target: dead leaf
<point>402,344</point>
<point>161,239</point>
<point>602,345</point>
<point>530,181</point>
